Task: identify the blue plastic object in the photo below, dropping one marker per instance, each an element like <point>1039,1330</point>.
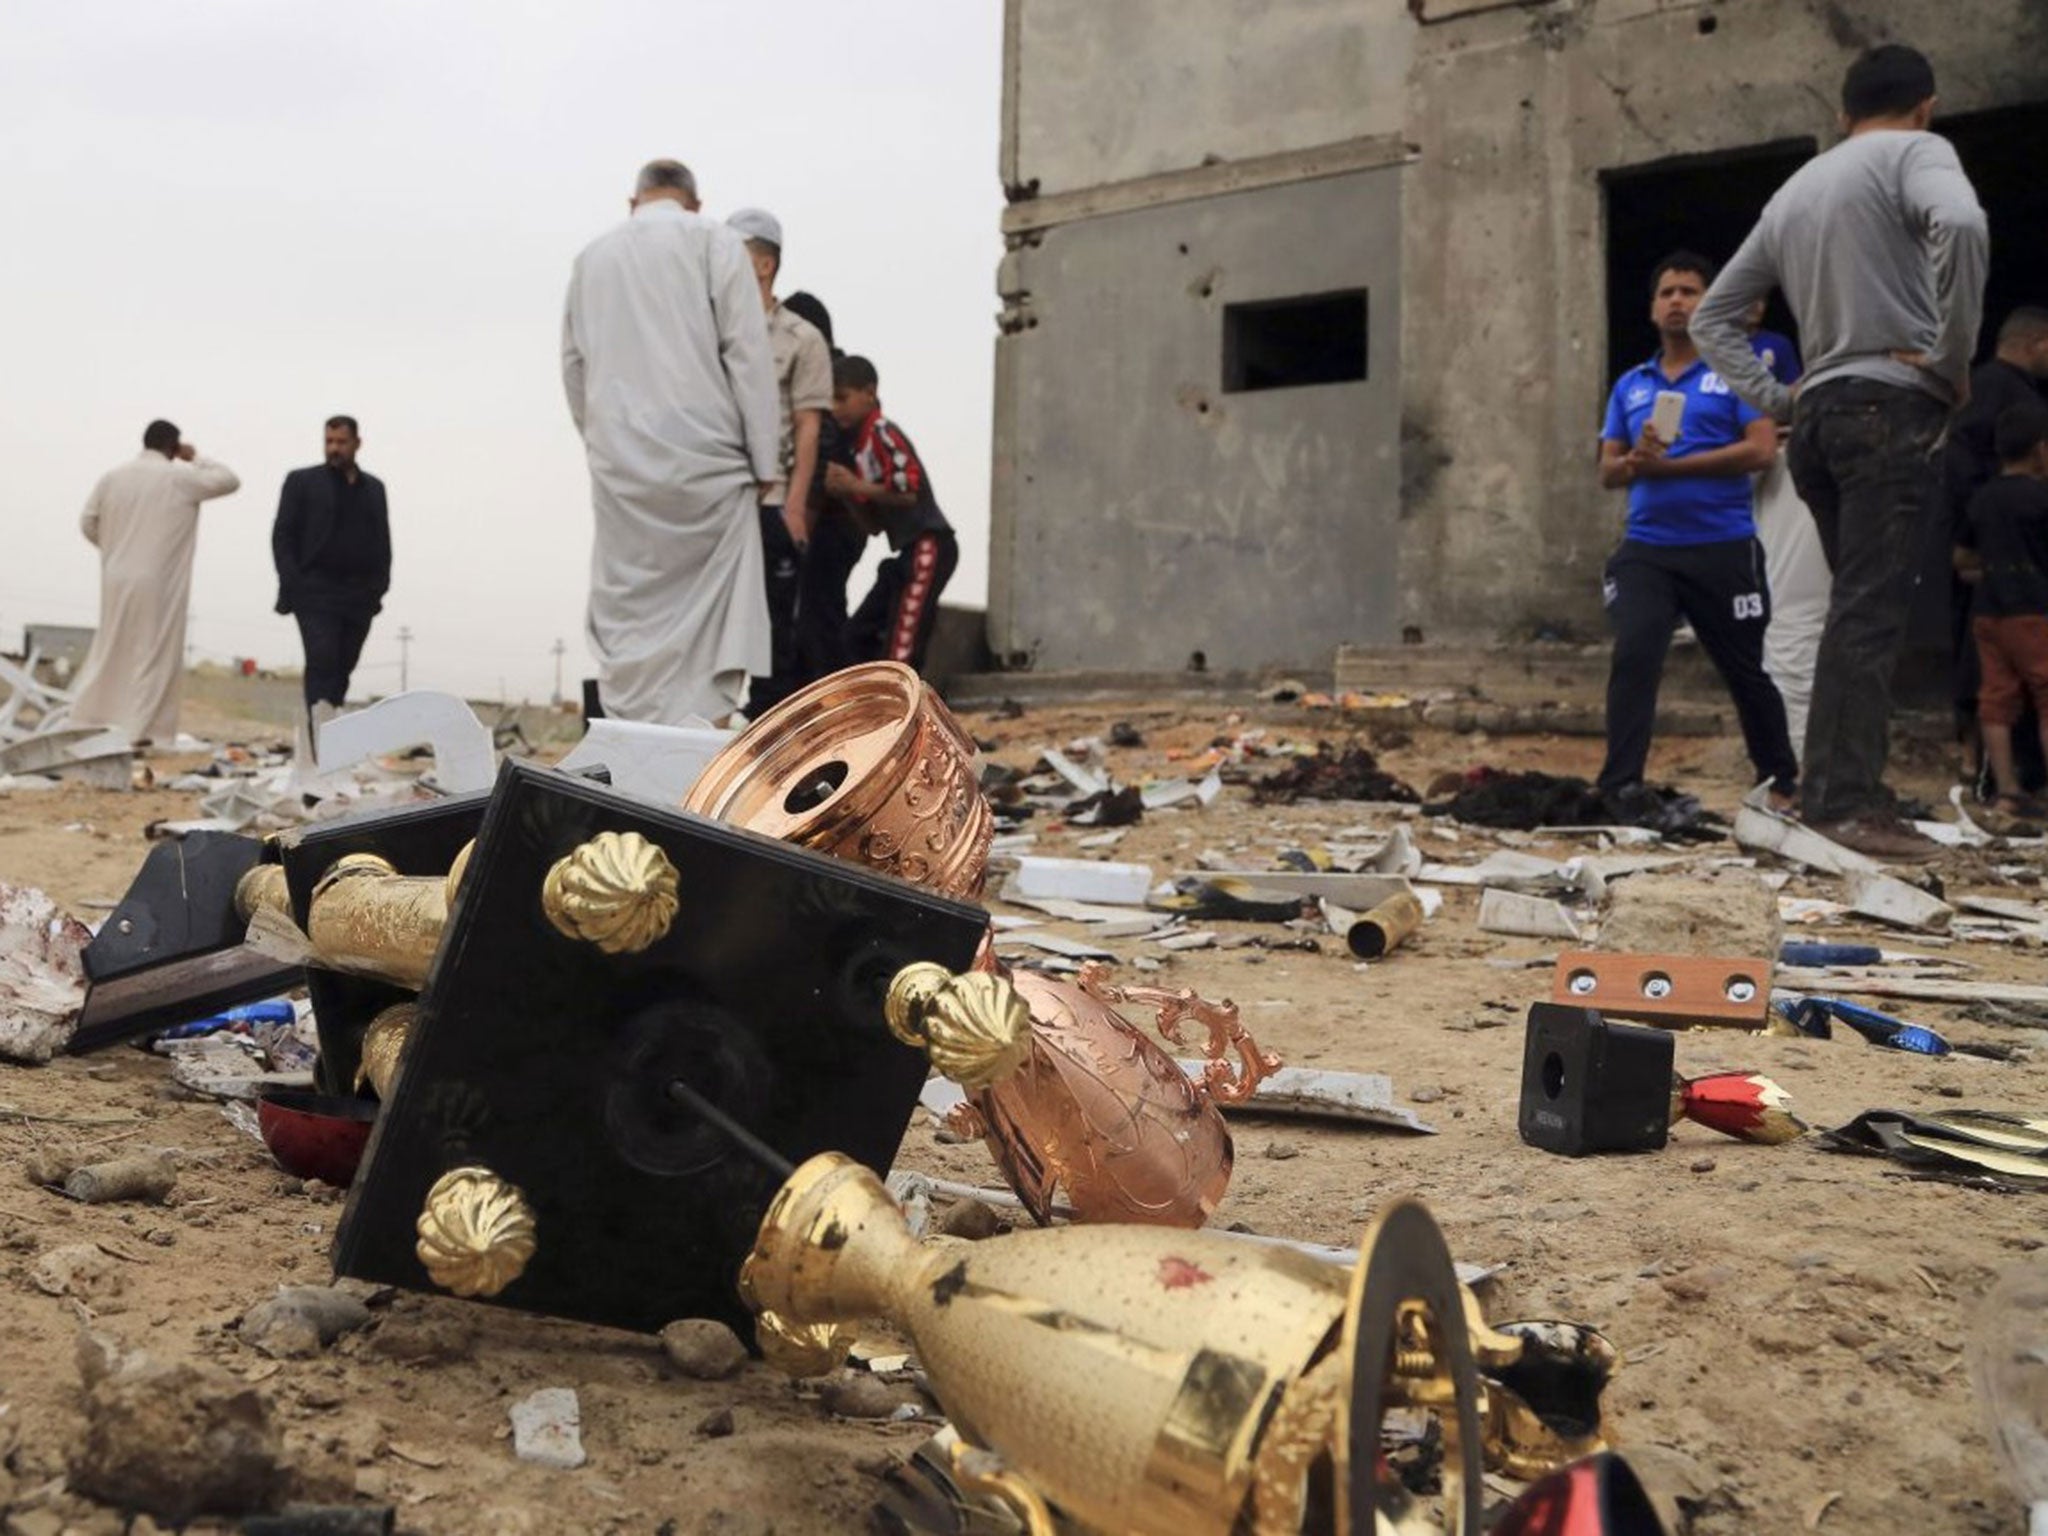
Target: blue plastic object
<point>1813,955</point>
<point>1814,1016</point>
<point>276,1011</point>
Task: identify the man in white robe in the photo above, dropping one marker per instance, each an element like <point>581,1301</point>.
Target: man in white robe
<point>671,382</point>
<point>144,518</point>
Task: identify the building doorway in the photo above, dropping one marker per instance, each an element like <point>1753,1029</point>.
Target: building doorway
<point>1704,203</point>
<point>2001,151</point>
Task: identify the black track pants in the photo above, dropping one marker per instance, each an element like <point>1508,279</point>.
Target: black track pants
<point>1720,590</point>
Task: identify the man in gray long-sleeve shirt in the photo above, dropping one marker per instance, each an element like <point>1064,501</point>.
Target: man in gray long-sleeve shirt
<point>1880,246</point>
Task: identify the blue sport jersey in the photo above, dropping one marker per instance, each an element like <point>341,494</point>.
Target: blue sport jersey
<point>1705,509</point>
<point>1778,354</point>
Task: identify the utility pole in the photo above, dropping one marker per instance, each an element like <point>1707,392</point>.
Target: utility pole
<point>559,649</point>
<point>404,658</point>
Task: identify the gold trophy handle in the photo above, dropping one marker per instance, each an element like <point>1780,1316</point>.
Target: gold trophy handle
<point>974,1026</point>
<point>1406,1337</point>
<point>1226,1031</point>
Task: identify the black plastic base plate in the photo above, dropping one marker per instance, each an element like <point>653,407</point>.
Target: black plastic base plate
<point>549,1062</point>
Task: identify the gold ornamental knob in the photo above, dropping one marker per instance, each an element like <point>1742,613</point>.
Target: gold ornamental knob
<point>476,1232</point>
<point>975,1027</point>
<point>617,891</point>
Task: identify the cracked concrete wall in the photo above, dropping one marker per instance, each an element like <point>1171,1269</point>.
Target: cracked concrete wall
<point>1149,514</point>
<point>1492,525</point>
<point>1515,114</point>
<point>1113,90</point>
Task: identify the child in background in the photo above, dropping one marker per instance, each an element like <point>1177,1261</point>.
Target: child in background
<point>2008,530</point>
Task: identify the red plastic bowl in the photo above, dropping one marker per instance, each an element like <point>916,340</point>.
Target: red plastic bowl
<point>315,1135</point>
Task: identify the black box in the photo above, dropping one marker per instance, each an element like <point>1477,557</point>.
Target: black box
<point>1592,1086</point>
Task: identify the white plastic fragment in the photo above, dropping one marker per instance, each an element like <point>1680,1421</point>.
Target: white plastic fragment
<point>547,1429</point>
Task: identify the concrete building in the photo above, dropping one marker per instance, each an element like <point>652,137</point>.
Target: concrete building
<point>1310,307</point>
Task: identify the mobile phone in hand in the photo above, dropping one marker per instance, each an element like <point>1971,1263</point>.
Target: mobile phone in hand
<point>1666,415</point>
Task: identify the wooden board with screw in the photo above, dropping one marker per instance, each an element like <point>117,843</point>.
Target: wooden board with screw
<point>1667,989</point>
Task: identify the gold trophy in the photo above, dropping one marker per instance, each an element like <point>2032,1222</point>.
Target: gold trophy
<point>1143,1381</point>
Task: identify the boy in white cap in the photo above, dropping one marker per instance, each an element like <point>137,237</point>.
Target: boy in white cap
<point>803,386</point>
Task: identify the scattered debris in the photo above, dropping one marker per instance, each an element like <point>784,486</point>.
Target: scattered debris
<point>547,1429</point>
<point>145,1176</point>
<point>1531,917</point>
<point>1081,879</point>
<point>177,1439</point>
<point>1353,774</point>
<point>1814,1016</point>
<point>1526,801</point>
<point>1759,828</point>
<point>301,1320</point>
<point>42,974</point>
<point>1366,1098</point>
<point>2000,1149</point>
<point>1897,904</point>
<point>1385,927</point>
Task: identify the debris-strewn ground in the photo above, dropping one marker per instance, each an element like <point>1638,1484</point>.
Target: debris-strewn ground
<point>1792,1321</point>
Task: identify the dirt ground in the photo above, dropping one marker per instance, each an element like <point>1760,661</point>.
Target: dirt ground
<point>1792,1321</point>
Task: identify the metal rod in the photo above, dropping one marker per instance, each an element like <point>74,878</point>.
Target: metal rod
<point>680,1092</point>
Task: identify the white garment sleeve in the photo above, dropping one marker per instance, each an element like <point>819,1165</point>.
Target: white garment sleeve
<point>1940,198</point>
<point>743,348</point>
<point>89,519</point>
<point>572,357</point>
<point>208,478</point>
<point>1718,329</point>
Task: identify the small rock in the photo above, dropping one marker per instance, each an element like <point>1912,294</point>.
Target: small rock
<point>50,1167</point>
<point>1426,1096</point>
<point>178,1440</point>
<point>1281,1151</point>
<point>1851,1334</point>
<point>973,1220</point>
<point>716,1425</point>
<point>99,1356</point>
<point>547,1429</point>
<point>1703,1165</point>
<point>1695,1284</point>
<point>703,1349</point>
<point>1950,1091</point>
<point>35,1522</point>
<point>301,1320</point>
<point>857,1395</point>
<point>76,1269</point>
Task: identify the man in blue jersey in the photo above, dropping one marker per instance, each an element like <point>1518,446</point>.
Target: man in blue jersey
<point>1690,549</point>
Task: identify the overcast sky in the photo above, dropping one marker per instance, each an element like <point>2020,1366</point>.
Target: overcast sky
<point>248,215</point>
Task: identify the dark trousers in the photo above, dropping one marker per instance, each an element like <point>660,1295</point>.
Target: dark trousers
<point>1720,590</point>
<point>333,638</point>
<point>1862,458</point>
<point>894,621</point>
<point>783,563</point>
<point>836,546</point>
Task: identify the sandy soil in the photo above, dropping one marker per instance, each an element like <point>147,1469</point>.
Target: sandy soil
<point>1792,1320</point>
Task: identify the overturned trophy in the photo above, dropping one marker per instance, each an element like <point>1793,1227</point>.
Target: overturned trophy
<point>869,765</point>
<point>1100,1112</point>
<point>632,1021</point>
<point>1136,1379</point>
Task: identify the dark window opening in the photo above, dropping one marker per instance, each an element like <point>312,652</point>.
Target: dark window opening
<point>1704,203</point>
<point>2000,151</point>
<point>1288,343</point>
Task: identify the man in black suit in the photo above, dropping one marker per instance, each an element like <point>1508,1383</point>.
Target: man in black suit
<point>332,543</point>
